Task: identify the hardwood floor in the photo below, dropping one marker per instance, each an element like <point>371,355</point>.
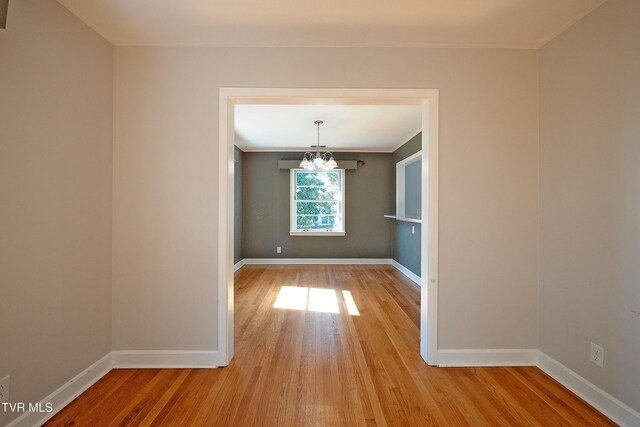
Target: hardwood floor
<point>297,367</point>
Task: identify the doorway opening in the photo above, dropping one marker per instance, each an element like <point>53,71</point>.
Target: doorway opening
<point>427,99</point>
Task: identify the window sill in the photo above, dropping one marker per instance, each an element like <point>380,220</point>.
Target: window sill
<point>317,233</point>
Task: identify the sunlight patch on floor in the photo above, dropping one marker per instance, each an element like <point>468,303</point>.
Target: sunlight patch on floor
<point>352,309</point>
<point>314,299</point>
<point>323,300</point>
<point>292,298</point>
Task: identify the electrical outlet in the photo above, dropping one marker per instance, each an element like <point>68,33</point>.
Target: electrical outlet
<point>4,388</point>
<point>597,355</point>
<point>279,249</point>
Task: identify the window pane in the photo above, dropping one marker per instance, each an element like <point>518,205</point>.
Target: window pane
<point>317,201</point>
<point>321,179</point>
<point>318,193</point>
<point>315,222</point>
<point>318,208</point>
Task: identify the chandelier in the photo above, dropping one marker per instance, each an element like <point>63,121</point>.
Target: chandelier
<point>318,161</point>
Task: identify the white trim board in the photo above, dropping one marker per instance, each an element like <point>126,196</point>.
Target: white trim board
<point>608,405</point>
<point>164,359</point>
<point>410,274</point>
<point>486,358</point>
<point>302,150</point>
<point>329,261</point>
<point>66,394</point>
<point>295,261</point>
<point>401,182</point>
<point>427,99</point>
<point>139,359</point>
<point>238,265</point>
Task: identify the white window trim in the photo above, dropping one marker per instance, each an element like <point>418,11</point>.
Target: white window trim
<point>292,208</point>
<point>400,181</point>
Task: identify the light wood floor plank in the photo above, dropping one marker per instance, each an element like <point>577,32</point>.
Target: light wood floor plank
<point>306,368</point>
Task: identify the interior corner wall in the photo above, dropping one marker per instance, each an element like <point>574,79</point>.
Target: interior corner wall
<point>368,197</point>
<point>590,197</point>
<point>166,181</point>
<point>56,86</point>
<point>406,242</point>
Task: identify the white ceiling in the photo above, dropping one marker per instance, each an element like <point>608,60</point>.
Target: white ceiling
<point>373,128</point>
<point>421,23</point>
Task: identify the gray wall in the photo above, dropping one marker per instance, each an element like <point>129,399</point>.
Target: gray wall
<point>369,196</point>
<point>237,205</point>
<point>413,189</point>
<point>407,149</point>
<point>406,242</point>
<point>56,118</point>
<point>590,197</point>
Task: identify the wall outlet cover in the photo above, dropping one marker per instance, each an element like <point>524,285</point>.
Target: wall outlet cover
<point>596,355</point>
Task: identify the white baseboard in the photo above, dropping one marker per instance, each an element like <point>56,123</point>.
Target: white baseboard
<point>317,261</point>
<point>384,261</point>
<point>608,405</point>
<point>65,394</point>
<point>114,360</point>
<point>238,265</point>
<point>404,270</point>
<point>141,359</point>
<point>495,357</point>
<point>611,407</point>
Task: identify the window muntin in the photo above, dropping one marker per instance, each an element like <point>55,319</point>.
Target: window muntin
<point>317,202</point>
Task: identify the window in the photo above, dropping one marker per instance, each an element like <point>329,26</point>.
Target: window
<point>317,203</point>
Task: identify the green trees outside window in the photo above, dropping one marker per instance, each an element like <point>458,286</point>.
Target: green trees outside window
<point>318,200</point>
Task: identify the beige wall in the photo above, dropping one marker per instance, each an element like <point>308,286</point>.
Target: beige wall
<point>55,198</point>
<point>590,197</point>
<point>165,182</point>
<point>58,81</point>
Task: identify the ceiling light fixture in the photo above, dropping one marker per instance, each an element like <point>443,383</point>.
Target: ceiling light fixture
<point>318,161</point>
